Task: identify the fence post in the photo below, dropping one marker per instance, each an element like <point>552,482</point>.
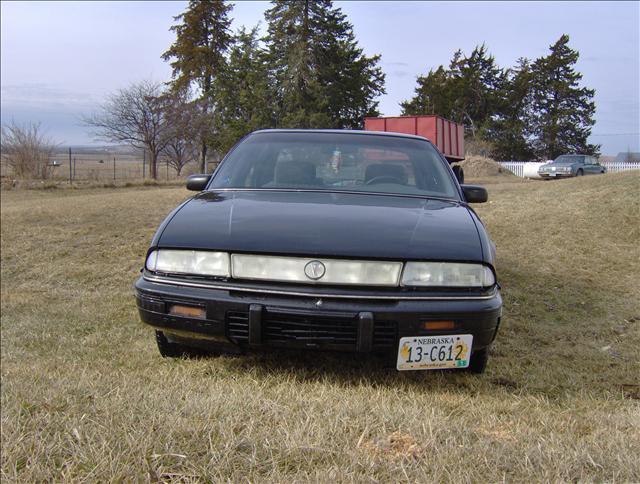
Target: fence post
<point>167,170</point>
<point>70,173</point>
<point>114,169</point>
<point>144,161</point>
<point>74,167</point>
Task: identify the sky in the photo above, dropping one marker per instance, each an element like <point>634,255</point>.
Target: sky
<point>59,59</point>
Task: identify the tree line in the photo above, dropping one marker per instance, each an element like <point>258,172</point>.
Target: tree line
<point>535,110</point>
<point>308,71</point>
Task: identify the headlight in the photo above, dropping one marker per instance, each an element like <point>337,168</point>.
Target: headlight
<point>189,262</point>
<point>447,274</point>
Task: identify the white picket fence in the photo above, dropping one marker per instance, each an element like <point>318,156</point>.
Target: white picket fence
<point>616,166</point>
<point>518,167</point>
<point>515,167</point>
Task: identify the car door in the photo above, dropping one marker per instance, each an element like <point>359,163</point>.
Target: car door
<point>588,165</point>
<point>596,166</point>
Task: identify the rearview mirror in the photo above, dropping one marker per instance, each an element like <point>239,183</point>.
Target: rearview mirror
<point>197,183</point>
<point>475,193</point>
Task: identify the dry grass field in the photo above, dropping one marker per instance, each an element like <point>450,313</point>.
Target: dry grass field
<point>86,396</point>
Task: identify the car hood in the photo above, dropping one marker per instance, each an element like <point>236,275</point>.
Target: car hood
<point>556,165</point>
<point>324,224</point>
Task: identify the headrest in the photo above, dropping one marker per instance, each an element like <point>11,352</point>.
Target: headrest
<point>385,170</point>
<point>295,173</point>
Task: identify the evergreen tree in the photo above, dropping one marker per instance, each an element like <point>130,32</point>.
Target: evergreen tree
<point>320,76</point>
<point>198,55</point>
<point>468,92</point>
<point>351,81</point>
<point>563,112</point>
<point>243,101</point>
<point>509,130</point>
<point>433,95</point>
<point>476,83</point>
<point>534,110</point>
<point>290,39</point>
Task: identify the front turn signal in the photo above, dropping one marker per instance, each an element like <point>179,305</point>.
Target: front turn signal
<point>187,311</point>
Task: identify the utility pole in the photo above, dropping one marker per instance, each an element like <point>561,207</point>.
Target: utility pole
<point>70,168</point>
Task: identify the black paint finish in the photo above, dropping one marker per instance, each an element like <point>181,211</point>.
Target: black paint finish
<point>360,226</point>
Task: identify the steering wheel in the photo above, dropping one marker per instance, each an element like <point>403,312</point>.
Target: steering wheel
<point>384,179</point>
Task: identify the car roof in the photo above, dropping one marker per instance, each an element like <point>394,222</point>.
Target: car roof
<point>342,131</point>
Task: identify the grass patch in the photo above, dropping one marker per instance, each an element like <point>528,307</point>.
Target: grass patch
<point>86,396</point>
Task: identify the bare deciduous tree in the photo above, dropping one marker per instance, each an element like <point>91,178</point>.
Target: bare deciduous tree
<point>27,150</point>
<point>184,121</point>
<point>136,116</point>
<point>179,152</point>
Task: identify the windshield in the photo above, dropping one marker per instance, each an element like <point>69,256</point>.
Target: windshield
<point>336,162</point>
<point>569,159</point>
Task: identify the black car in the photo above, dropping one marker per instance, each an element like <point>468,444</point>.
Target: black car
<point>327,240</point>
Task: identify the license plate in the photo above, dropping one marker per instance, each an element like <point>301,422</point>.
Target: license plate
<point>552,174</point>
<point>434,352</point>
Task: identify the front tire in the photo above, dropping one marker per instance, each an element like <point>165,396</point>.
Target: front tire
<point>580,173</point>
<point>479,361</point>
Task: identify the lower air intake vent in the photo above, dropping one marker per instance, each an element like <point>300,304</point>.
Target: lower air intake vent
<point>384,335</point>
<point>310,330</point>
<point>238,326</point>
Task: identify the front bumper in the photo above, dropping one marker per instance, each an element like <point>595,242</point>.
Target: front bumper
<point>239,319</point>
<point>556,175</point>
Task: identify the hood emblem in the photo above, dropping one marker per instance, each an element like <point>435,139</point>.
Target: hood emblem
<point>314,270</point>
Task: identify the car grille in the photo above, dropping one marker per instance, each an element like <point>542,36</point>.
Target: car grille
<point>238,327</point>
<point>310,330</point>
<point>384,334</point>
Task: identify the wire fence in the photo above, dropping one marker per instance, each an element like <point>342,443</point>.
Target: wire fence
<point>109,167</point>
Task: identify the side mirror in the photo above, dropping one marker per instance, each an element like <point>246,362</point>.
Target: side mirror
<point>197,183</point>
<point>459,173</point>
<point>475,193</point>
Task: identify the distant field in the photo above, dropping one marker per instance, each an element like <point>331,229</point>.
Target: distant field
<point>85,395</point>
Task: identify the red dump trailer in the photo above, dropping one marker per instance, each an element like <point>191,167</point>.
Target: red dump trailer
<point>446,135</point>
